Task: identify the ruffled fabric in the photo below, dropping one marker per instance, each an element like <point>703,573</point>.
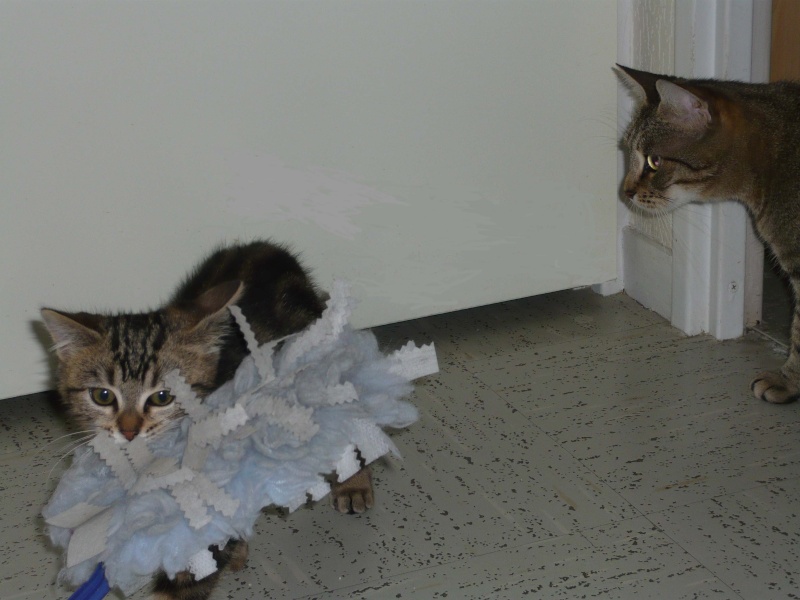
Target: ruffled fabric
<point>267,437</point>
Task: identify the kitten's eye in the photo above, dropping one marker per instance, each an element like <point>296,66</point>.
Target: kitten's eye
<point>653,162</point>
<point>102,396</point>
<point>162,398</point>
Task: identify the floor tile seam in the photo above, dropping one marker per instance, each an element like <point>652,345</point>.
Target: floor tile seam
<point>35,471</point>
<point>499,397</point>
<point>580,463</point>
<point>528,419</point>
<point>22,595</point>
<point>650,514</point>
<point>469,364</point>
<point>20,453</point>
<point>557,444</point>
<point>53,467</point>
<point>371,585</point>
<point>730,494</point>
<point>744,490</point>
<point>377,584</point>
<point>767,336</point>
<point>11,456</point>
<point>689,553</point>
<point>583,531</point>
<point>601,478</point>
<point>566,339</point>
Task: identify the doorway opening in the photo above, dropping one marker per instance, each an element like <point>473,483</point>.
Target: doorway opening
<point>777,305</point>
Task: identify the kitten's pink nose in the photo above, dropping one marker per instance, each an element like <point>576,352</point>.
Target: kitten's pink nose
<point>129,433</point>
<point>630,193</point>
<point>129,423</point>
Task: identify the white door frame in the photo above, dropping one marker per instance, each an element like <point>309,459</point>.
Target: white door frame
<point>717,261</point>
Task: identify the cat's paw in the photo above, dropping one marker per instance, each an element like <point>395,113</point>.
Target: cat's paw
<point>353,495</point>
<point>774,387</point>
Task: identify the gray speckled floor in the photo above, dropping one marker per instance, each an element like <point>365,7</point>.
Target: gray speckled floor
<point>572,446</point>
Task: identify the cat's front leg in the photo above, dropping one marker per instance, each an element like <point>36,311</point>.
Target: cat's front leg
<point>781,387</point>
<point>353,495</point>
<point>775,387</point>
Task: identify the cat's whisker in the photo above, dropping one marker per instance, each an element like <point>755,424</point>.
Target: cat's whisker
<point>603,141</point>
<point>611,138</point>
<point>607,120</point>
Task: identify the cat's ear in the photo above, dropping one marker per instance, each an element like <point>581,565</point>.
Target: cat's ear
<point>211,305</point>
<point>681,107</point>
<point>71,331</point>
<point>641,83</point>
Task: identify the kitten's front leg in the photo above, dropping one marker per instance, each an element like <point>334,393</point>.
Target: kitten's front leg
<point>783,386</point>
<point>354,494</point>
<point>185,587</point>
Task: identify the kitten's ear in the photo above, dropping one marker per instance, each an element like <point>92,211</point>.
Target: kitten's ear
<point>71,331</point>
<point>212,304</point>
<point>681,107</point>
<point>641,83</point>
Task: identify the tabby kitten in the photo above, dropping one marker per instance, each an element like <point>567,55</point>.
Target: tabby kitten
<point>111,367</point>
<point>705,140</point>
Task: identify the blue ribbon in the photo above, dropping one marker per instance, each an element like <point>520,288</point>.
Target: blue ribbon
<point>95,588</point>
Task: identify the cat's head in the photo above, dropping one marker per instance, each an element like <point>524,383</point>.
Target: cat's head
<point>111,367</point>
<point>677,142</point>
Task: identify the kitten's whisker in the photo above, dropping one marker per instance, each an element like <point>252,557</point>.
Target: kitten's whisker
<point>75,443</point>
<point>83,442</point>
<point>66,435</point>
<point>164,427</point>
<point>69,446</point>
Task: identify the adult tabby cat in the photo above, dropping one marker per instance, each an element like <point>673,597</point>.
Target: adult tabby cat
<point>704,140</point>
<point>111,366</point>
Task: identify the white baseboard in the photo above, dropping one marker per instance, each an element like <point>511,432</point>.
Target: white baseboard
<point>608,288</point>
<point>648,271</point>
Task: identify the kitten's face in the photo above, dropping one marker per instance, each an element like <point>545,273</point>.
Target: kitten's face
<point>673,148</point>
<point>111,368</point>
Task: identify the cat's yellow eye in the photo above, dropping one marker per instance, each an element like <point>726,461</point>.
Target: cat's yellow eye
<point>162,398</point>
<point>102,396</point>
<point>653,162</point>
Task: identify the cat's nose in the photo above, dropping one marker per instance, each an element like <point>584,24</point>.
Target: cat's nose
<point>629,193</point>
<point>129,433</point>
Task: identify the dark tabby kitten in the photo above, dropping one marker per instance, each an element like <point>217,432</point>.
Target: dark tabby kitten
<point>704,140</point>
<point>111,366</point>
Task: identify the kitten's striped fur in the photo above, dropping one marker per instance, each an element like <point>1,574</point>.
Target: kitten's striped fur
<point>704,140</point>
<point>111,367</point>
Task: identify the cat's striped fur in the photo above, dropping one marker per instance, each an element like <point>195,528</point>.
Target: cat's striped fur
<point>111,366</point>
<point>704,140</point>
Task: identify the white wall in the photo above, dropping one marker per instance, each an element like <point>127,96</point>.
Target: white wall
<point>439,155</point>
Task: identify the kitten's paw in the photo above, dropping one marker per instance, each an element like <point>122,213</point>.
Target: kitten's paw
<point>774,387</point>
<point>353,495</point>
<point>239,553</point>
